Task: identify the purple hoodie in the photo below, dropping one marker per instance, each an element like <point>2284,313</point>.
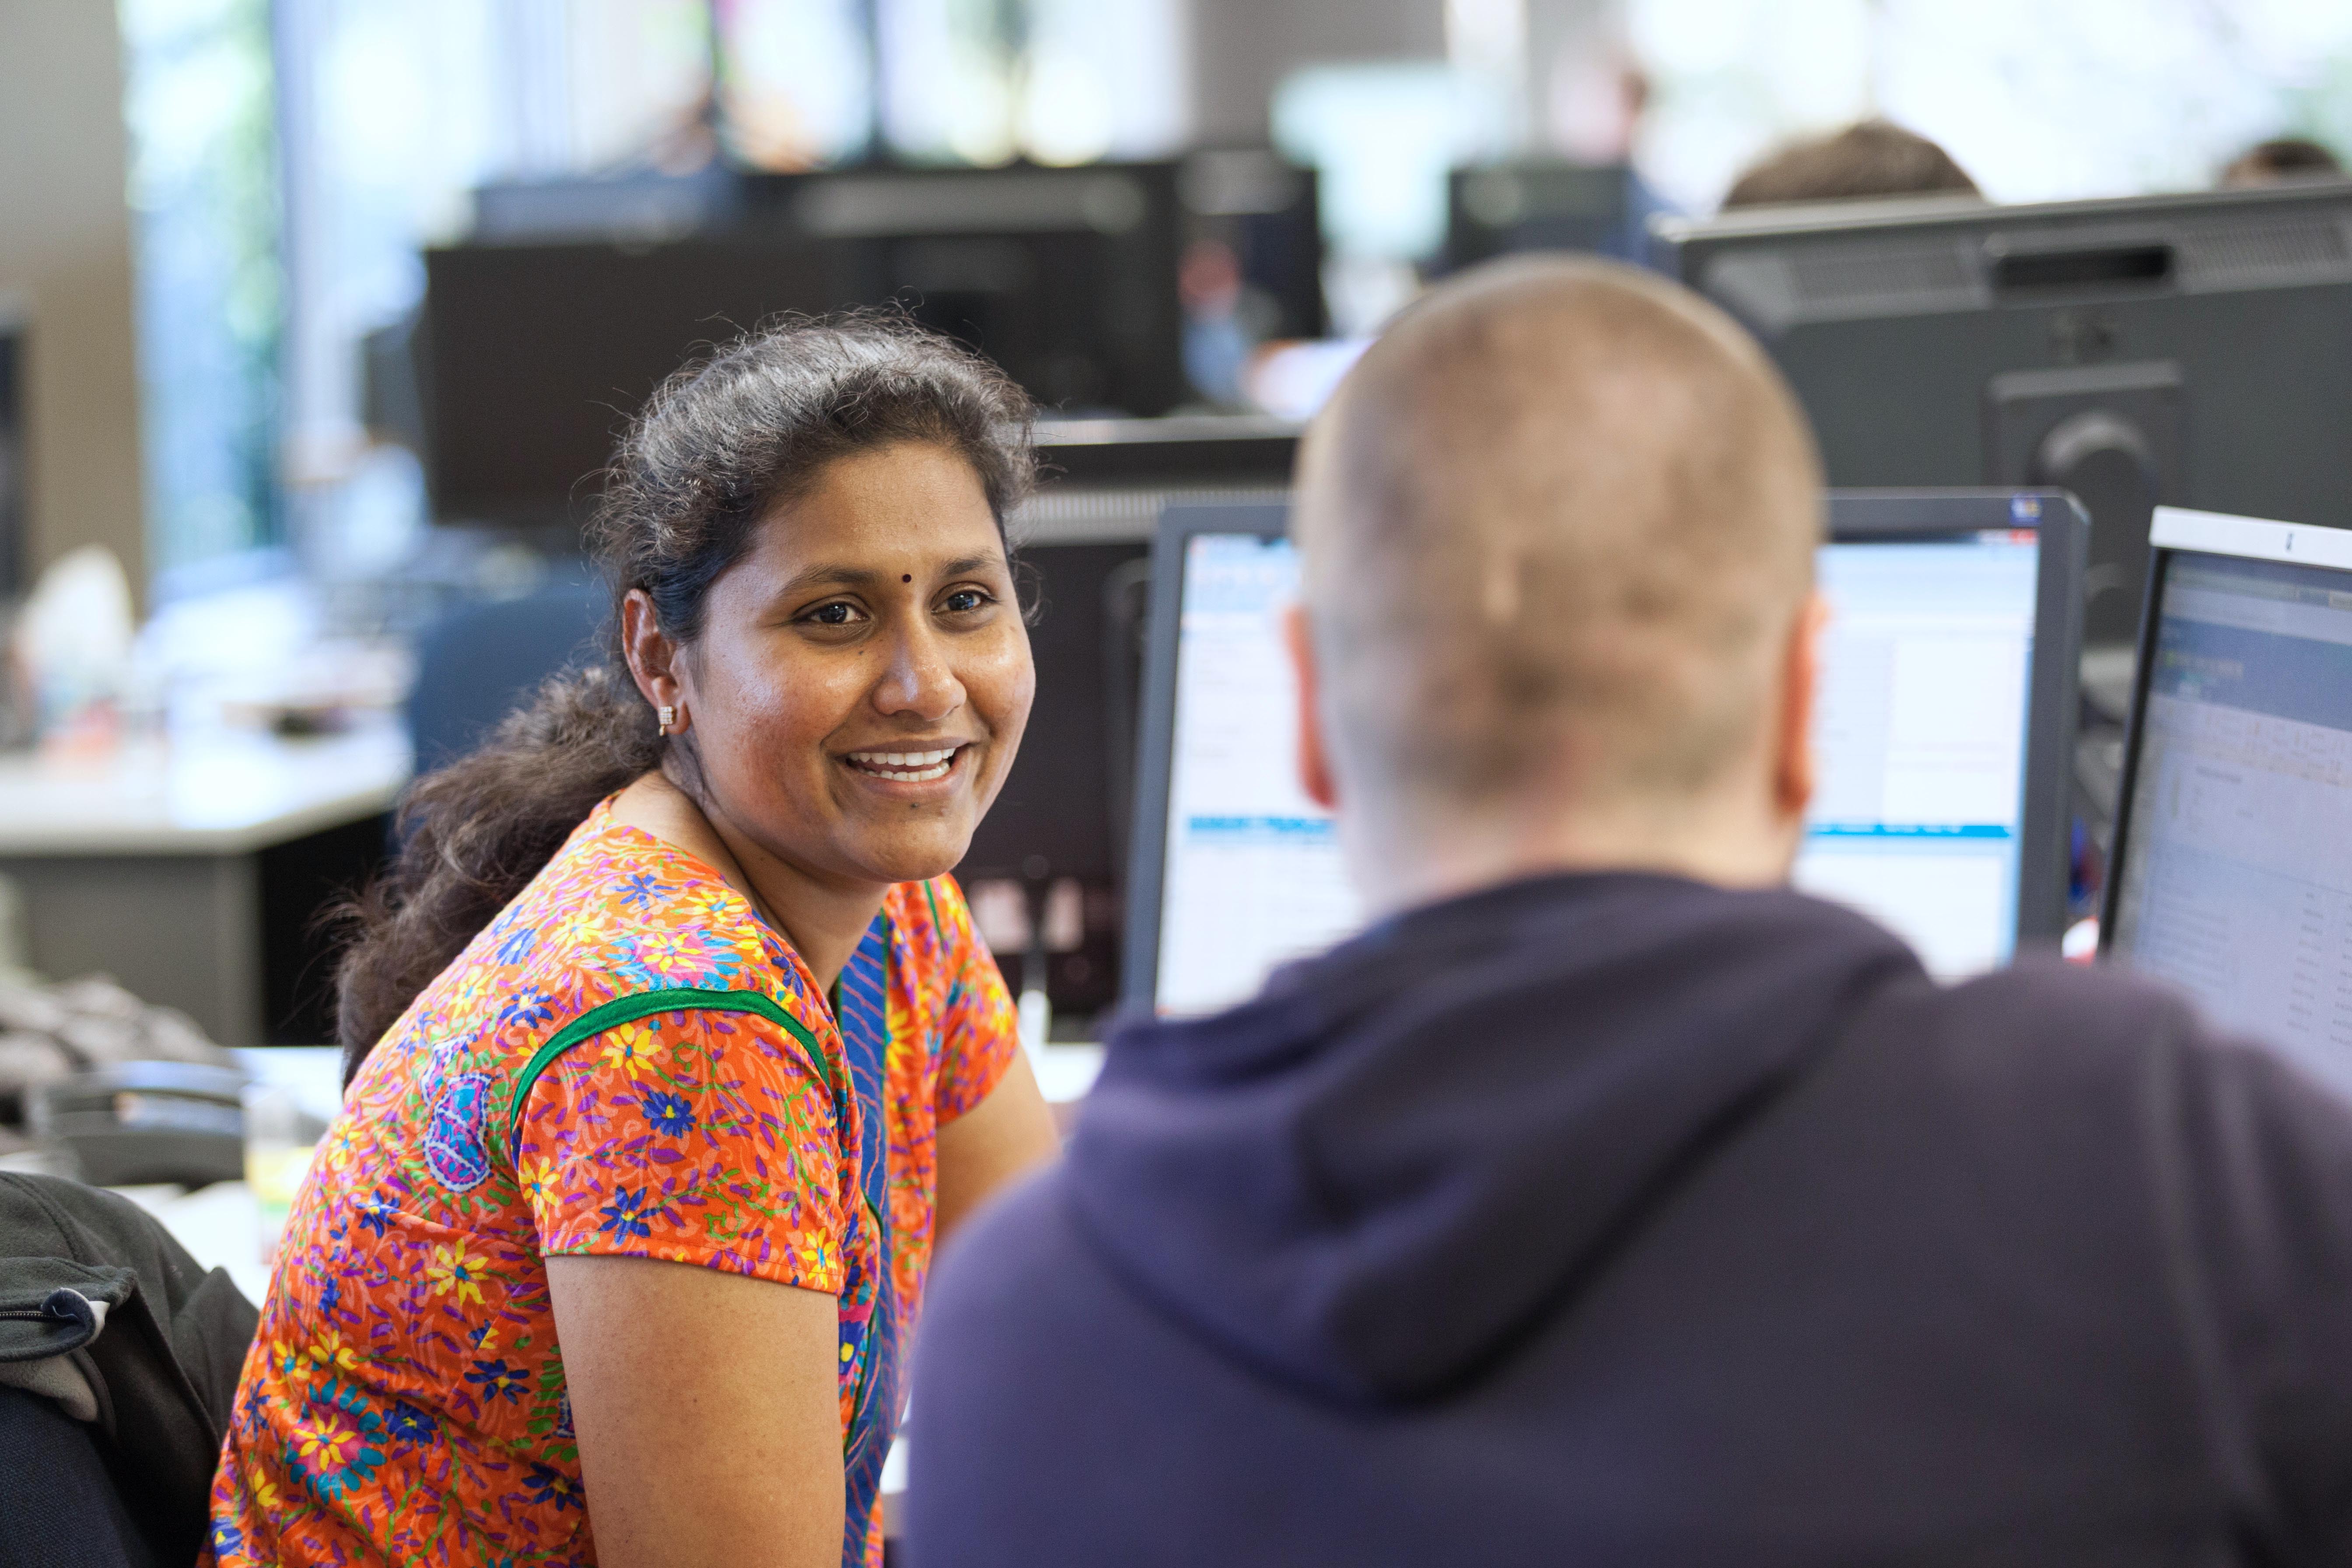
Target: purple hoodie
<point>1623,1220</point>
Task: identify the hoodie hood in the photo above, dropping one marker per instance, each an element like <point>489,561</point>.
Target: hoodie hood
<point>1375,1179</point>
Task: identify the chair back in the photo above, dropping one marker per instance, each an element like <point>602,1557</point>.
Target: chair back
<point>479,662</point>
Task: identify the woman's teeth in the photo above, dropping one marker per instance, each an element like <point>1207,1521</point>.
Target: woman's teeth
<point>908,767</point>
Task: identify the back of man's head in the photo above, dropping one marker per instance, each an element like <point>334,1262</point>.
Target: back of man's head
<point>1872,158</point>
<point>1556,527</point>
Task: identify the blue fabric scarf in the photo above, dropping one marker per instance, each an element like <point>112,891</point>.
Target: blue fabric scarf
<point>869,1320</point>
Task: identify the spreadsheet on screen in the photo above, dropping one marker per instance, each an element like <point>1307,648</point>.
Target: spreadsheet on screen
<point>2236,880</point>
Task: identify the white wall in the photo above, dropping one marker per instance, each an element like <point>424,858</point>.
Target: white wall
<point>1243,48</point>
<point>2038,103</point>
<point>64,253</point>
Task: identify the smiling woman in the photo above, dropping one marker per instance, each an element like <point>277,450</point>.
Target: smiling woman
<point>672,1051</point>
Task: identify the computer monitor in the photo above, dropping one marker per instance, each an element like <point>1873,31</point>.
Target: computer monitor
<point>1266,211</point>
<point>1541,203</point>
<point>532,357</point>
<point>1943,722</point>
<point>2187,350</point>
<point>1084,546</point>
<point>1067,277</point>
<point>535,344</point>
<point>2233,848</point>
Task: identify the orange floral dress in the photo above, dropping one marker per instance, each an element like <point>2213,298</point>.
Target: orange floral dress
<point>628,1061</point>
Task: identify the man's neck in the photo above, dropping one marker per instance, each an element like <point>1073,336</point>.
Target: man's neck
<point>1396,865</point>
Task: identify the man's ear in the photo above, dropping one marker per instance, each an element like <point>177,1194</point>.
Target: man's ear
<point>1314,763</point>
<point>1800,668</point>
<point>652,654</point>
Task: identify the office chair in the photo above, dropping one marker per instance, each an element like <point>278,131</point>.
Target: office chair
<point>479,662</point>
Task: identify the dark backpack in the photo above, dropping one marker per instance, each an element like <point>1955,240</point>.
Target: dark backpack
<point>106,1320</point>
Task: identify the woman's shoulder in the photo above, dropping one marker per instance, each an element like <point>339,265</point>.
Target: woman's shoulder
<point>934,918</point>
<point>947,961</point>
<point>604,940</point>
<point>619,903</point>
<point>969,1025</point>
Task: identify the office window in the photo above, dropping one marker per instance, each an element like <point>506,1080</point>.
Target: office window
<point>797,81</point>
<point>391,111</point>
<point>394,110</point>
<point>1058,81</point>
<point>2106,96</point>
<point>2038,103</point>
<point>198,102</point>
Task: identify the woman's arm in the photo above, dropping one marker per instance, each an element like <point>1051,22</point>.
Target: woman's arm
<point>1006,1134</point>
<point>708,1412</point>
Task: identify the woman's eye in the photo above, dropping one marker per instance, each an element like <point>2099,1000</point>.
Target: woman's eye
<point>834,614</point>
<point>964,601</point>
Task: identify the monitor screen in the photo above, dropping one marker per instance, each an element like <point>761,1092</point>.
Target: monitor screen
<point>1920,737</point>
<point>1253,876</point>
<point>2236,880</point>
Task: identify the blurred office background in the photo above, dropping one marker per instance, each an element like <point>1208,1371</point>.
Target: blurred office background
<point>316,316</point>
<point>286,163</point>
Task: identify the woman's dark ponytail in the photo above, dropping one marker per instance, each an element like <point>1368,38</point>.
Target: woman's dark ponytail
<point>717,449</point>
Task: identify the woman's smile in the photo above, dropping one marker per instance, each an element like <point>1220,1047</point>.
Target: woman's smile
<point>904,763</point>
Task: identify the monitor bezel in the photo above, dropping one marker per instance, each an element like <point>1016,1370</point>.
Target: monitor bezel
<point>1147,864</point>
<point>1683,245</point>
<point>1854,517</point>
<point>2175,531</point>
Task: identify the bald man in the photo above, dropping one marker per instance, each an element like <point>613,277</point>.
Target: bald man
<point>1605,1202</point>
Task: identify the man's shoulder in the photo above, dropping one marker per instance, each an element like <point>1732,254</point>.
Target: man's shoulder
<point>1020,1244</point>
<point>2039,1016</point>
<point>1023,1298</point>
<point>2045,1045</point>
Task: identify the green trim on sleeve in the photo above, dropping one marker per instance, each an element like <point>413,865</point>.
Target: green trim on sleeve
<point>645,1004</point>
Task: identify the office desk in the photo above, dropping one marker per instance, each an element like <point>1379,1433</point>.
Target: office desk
<point>190,871</point>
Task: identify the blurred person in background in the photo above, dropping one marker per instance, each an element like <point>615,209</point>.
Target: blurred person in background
<point>2281,161</point>
<point>1872,158</point>
<point>1597,102</point>
<point>1219,334</point>
<point>670,1045</point>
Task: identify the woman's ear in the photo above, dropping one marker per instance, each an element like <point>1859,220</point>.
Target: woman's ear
<point>652,656</point>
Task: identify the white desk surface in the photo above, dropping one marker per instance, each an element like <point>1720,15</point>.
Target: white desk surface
<point>227,792</point>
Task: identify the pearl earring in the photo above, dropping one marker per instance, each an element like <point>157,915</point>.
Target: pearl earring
<point>668,716</point>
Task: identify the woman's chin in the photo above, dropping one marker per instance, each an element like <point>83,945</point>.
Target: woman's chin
<point>912,856</point>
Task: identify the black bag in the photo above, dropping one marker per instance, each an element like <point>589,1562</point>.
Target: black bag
<point>106,1316</point>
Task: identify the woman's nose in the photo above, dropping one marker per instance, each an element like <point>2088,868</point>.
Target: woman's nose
<point>918,679</point>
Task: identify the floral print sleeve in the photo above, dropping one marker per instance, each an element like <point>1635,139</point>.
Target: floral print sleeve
<point>701,1137</point>
<point>980,1028</point>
